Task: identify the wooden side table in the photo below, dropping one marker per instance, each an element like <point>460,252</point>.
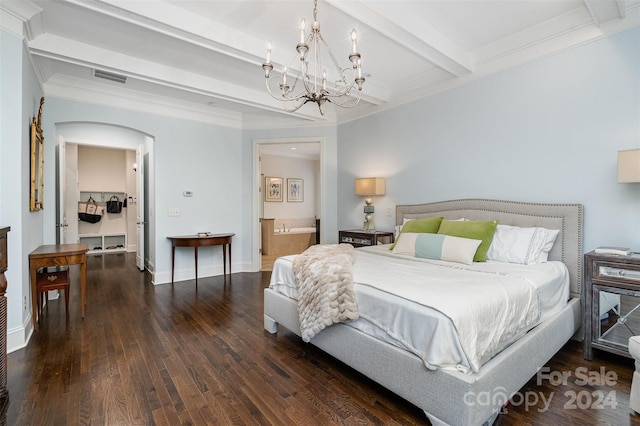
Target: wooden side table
<point>611,302</point>
<point>362,238</point>
<point>57,255</point>
<point>196,241</point>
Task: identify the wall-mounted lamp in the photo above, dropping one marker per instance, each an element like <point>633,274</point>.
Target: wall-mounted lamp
<point>135,167</point>
<point>629,166</point>
<point>368,187</point>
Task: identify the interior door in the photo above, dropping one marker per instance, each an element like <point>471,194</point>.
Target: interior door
<point>61,200</point>
<point>140,228</point>
<point>61,222</point>
<point>67,192</point>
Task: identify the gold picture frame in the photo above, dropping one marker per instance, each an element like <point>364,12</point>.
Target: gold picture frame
<point>36,196</point>
<point>273,189</point>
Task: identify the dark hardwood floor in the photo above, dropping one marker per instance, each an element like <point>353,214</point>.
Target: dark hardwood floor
<point>172,355</point>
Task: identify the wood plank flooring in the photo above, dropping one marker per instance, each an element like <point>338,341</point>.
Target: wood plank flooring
<point>187,355</point>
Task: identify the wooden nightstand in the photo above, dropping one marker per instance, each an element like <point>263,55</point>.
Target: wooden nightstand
<point>362,238</point>
<point>611,302</point>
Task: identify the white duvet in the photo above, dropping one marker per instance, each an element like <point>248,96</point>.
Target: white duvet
<point>451,315</point>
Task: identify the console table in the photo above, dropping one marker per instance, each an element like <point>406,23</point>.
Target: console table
<point>4,393</point>
<point>57,255</point>
<point>196,241</point>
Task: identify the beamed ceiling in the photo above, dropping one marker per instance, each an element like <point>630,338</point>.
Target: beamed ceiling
<point>202,59</point>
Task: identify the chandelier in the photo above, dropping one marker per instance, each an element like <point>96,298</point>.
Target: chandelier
<point>316,85</point>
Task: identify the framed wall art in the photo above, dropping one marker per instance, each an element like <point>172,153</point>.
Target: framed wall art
<point>36,147</point>
<point>295,190</point>
<point>273,189</point>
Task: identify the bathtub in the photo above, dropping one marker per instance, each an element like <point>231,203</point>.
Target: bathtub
<point>305,230</point>
<point>281,241</point>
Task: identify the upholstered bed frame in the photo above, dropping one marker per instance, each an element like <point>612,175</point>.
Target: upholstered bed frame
<point>451,397</point>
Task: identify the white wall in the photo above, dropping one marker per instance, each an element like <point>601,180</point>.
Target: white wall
<point>101,173</point>
<point>547,131</point>
<point>287,168</point>
<point>101,169</point>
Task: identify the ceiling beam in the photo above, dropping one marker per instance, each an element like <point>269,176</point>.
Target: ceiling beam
<point>405,28</point>
<point>65,50</point>
<point>602,11</point>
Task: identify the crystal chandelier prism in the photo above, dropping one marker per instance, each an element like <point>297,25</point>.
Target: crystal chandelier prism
<point>312,83</point>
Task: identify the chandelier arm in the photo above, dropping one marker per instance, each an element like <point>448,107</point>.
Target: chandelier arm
<point>280,97</point>
<point>350,101</point>
<point>300,105</point>
<point>345,104</point>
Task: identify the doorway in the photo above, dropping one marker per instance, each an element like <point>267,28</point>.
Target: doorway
<point>277,158</point>
<point>130,183</point>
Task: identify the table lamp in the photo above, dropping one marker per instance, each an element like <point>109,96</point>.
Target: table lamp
<point>369,187</point>
<point>629,166</point>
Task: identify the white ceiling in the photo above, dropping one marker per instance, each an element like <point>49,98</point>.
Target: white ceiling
<point>202,59</point>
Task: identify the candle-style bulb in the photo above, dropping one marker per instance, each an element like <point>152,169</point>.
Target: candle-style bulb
<point>284,75</point>
<point>269,52</point>
<point>303,25</point>
<point>354,38</point>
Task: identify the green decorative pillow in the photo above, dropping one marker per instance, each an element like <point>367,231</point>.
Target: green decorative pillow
<point>473,229</point>
<point>420,226</point>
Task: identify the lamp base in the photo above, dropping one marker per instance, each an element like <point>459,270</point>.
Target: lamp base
<point>369,226</point>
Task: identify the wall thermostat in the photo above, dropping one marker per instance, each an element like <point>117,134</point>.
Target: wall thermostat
<point>187,193</point>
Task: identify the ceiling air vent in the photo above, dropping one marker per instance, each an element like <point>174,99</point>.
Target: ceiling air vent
<point>118,78</point>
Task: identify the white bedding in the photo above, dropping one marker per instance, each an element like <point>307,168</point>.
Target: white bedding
<point>383,280</point>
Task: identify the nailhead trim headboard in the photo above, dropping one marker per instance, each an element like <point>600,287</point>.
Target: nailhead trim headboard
<point>567,218</point>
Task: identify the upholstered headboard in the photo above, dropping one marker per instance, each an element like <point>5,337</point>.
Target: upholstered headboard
<point>567,218</point>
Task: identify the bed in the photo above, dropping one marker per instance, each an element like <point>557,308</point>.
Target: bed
<point>449,396</point>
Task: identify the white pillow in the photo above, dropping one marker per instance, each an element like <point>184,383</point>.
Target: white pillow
<point>526,246</point>
<point>437,246</point>
<point>399,227</point>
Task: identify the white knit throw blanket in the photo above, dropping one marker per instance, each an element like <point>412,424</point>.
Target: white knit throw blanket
<point>325,287</point>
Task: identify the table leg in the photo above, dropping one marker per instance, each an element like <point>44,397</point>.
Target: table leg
<point>224,261</point>
<point>229,258</point>
<point>173,260</point>
<point>195,249</point>
<point>83,284</point>
<point>34,297</point>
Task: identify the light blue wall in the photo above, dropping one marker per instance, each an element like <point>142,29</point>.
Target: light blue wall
<point>19,100</point>
<point>189,155</point>
<point>548,131</point>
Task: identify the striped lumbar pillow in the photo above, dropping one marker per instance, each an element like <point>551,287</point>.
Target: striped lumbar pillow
<point>437,246</point>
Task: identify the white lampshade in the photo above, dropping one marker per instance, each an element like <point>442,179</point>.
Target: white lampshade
<point>629,166</point>
<point>370,186</point>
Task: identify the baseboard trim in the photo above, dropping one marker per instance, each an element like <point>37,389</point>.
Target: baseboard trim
<point>18,338</point>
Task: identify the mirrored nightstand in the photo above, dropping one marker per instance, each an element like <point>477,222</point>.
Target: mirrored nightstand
<point>611,302</point>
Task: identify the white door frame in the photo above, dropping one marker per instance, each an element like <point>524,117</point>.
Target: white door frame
<point>256,261</point>
<point>77,133</point>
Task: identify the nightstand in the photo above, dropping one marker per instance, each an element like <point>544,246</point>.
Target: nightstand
<point>611,302</point>
<point>362,238</point>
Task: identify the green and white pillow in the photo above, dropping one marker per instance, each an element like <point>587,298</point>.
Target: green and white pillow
<point>437,247</point>
<point>473,229</point>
